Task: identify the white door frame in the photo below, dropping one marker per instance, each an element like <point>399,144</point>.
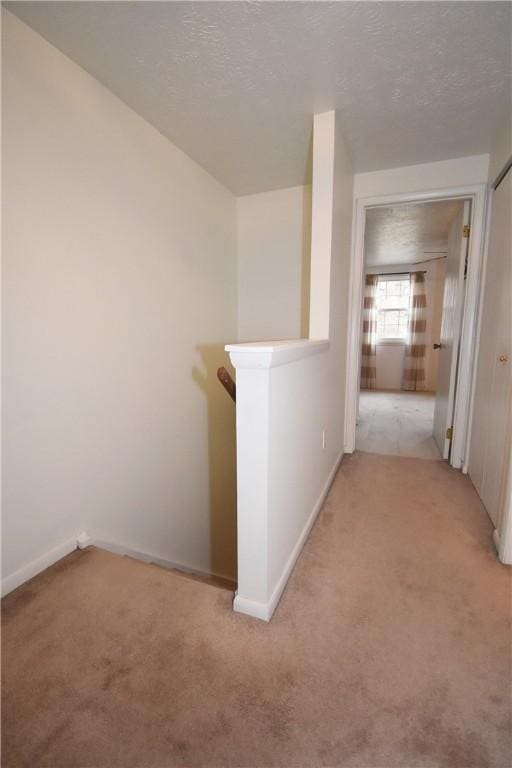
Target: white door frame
<point>503,533</point>
<point>477,193</point>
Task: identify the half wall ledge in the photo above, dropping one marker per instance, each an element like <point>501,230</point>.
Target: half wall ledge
<point>269,354</point>
<point>279,422</point>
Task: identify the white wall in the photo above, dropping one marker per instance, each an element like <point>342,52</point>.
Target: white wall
<point>119,294</point>
<point>461,171</point>
<point>390,355</point>
<point>274,233</point>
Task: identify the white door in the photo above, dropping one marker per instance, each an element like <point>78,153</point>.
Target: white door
<point>453,303</point>
<point>493,387</point>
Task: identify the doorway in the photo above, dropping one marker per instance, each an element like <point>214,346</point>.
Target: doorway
<point>423,252</point>
<point>414,261</point>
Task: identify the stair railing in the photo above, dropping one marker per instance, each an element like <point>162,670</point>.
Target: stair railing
<point>227,382</point>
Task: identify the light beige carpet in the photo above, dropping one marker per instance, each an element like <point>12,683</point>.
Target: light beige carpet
<point>391,647</point>
<point>397,423</point>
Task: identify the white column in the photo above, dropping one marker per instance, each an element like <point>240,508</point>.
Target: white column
<point>321,224</point>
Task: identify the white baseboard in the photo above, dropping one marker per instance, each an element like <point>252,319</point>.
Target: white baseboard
<point>252,608</point>
<point>496,539</point>
<point>30,570</point>
<point>82,540</point>
<point>266,610</point>
<point>504,555</point>
<point>147,557</point>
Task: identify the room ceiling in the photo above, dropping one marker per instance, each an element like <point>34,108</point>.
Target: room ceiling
<point>235,84</point>
<point>408,233</point>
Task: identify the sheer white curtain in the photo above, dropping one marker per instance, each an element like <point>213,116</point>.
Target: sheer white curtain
<point>369,346</point>
<point>413,378</point>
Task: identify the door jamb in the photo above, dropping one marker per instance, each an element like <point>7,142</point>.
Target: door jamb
<point>503,532</point>
<point>477,193</point>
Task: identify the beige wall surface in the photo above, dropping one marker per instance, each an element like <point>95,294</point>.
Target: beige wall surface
<point>274,234</point>
<point>119,294</point>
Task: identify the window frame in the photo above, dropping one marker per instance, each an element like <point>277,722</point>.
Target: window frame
<point>392,340</point>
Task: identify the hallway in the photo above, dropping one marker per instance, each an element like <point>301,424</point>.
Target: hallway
<point>391,646</point>
<point>396,423</point>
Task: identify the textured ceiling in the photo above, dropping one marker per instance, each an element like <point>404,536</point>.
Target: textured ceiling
<point>235,84</point>
<point>408,233</point>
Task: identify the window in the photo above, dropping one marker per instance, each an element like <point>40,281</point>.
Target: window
<point>392,307</point>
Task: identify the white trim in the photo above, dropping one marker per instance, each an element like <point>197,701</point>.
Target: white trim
<point>503,539</point>
<point>251,608</point>
<point>355,306</point>
<point>503,546</point>
<point>30,570</point>
<point>83,540</point>
<point>463,405</point>
<point>269,354</point>
<point>265,610</point>
<point>503,536</point>
<point>468,340</point>
<point>147,557</point>
<point>483,276</point>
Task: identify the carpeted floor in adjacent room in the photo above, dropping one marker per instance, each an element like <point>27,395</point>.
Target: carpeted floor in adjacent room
<point>390,648</point>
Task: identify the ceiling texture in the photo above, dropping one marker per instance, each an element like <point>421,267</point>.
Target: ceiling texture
<point>408,233</point>
<point>235,84</point>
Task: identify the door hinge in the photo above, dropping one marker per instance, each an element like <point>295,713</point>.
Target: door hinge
<point>466,229</point>
<point>449,433</point>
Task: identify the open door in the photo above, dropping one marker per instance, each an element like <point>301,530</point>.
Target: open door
<point>448,347</point>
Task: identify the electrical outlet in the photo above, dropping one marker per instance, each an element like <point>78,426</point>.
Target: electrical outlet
<point>323,439</point>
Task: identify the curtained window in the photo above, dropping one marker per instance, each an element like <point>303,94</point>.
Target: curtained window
<point>393,292</point>
<point>369,340</point>
<point>413,377</point>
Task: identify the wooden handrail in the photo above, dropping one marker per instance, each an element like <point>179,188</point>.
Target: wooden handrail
<point>227,382</point>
